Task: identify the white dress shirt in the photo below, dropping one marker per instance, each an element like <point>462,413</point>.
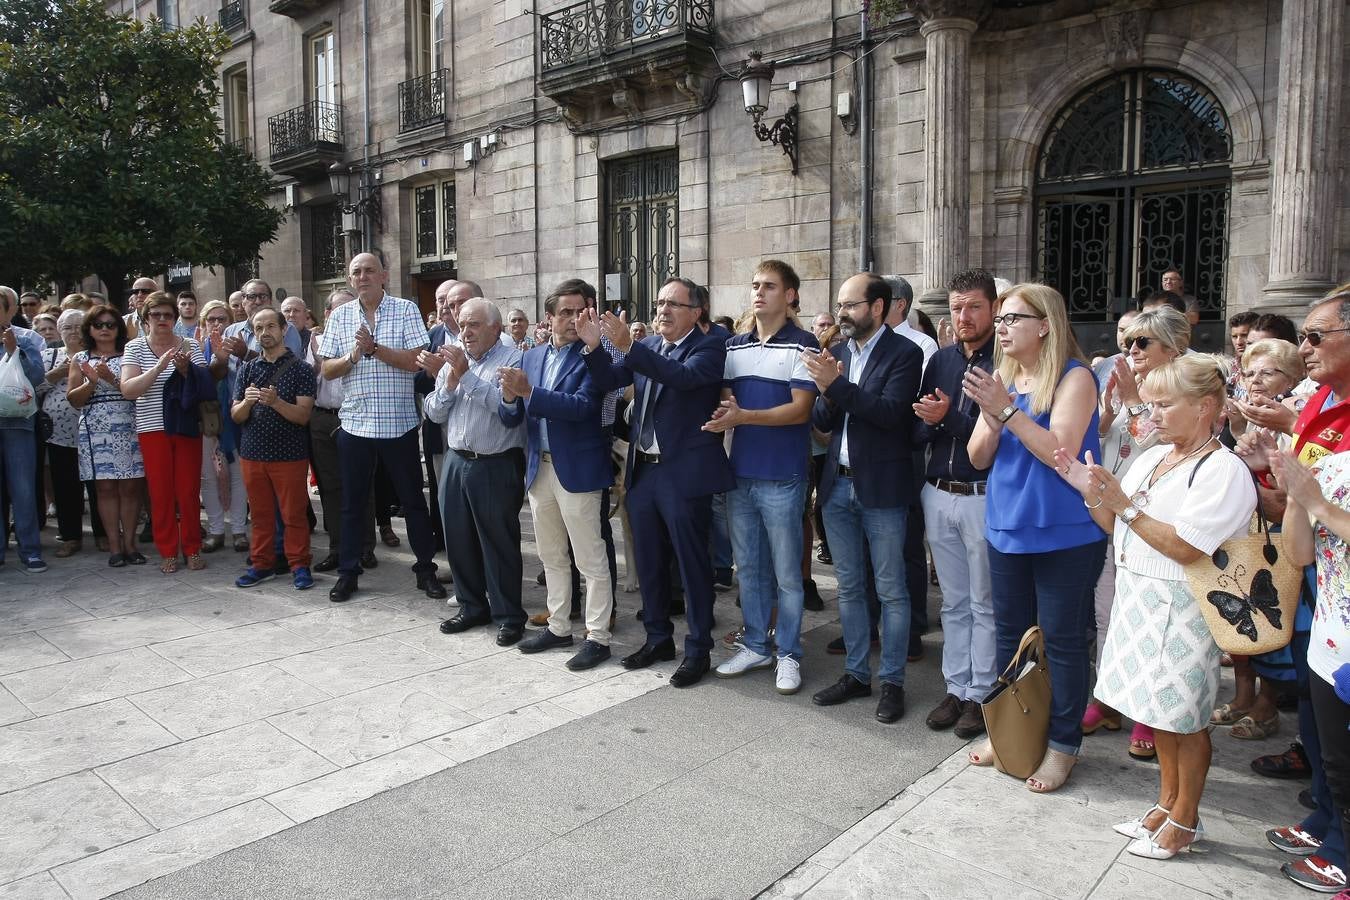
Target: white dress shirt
<point>857,364</point>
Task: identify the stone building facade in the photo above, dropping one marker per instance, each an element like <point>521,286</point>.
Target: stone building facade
<point>516,143</point>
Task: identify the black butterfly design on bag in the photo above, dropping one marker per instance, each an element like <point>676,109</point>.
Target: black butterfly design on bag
<point>1239,609</point>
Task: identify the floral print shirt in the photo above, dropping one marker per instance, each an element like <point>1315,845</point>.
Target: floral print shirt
<point>1330,644</point>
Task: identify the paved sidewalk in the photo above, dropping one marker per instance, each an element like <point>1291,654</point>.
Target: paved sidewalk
<point>225,743</point>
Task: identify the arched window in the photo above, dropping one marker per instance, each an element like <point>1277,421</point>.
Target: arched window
<point>1132,179</point>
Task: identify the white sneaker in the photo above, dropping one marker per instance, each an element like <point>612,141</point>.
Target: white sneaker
<point>744,661</point>
<point>789,678</point>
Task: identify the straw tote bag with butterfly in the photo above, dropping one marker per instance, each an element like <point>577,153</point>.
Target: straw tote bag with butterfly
<point>1248,591</point>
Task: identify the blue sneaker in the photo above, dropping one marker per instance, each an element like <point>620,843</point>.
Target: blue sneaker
<point>302,579</point>
<point>35,566</point>
<point>252,576</point>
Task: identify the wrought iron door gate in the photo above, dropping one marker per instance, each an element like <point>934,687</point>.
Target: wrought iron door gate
<point>642,228</point>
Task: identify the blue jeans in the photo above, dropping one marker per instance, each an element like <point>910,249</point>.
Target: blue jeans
<point>1053,589</point>
<point>855,532</point>
<point>766,536</point>
<point>18,459</point>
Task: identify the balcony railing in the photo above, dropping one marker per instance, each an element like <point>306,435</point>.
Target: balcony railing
<point>421,100</point>
<point>598,28</point>
<point>242,144</point>
<point>313,126</point>
<point>232,15</point>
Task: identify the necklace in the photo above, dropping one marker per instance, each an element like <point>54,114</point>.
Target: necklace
<point>1155,475</point>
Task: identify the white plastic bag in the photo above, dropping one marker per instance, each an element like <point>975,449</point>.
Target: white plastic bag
<point>17,397</point>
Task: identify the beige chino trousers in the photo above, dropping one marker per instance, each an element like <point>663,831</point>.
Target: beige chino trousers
<point>560,516</point>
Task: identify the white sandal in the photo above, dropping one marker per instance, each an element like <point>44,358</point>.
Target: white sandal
<point>1148,847</point>
<point>1135,827</point>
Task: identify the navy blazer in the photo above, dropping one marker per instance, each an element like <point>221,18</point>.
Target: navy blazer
<point>580,447</point>
<point>688,387</point>
<point>423,384</point>
<point>880,420</point>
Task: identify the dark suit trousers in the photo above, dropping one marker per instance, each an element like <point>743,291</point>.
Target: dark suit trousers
<point>480,507</point>
<point>323,455</point>
<point>357,457</point>
<point>666,522</point>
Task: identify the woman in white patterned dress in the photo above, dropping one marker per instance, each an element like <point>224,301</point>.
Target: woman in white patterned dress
<point>1160,665</point>
<point>109,453</point>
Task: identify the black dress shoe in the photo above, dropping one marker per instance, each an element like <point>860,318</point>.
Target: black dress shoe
<point>648,654</point>
<point>891,706</point>
<point>509,634</point>
<point>343,590</point>
<point>544,640</point>
<point>844,689</point>
<point>463,622</point>
<point>368,560</point>
<point>811,596</point>
<point>589,656</point>
<point>690,672</point>
<point>971,723</point>
<point>327,564</point>
<point>427,583</point>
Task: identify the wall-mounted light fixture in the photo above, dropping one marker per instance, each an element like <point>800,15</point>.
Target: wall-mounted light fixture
<point>756,80</point>
<point>366,207</point>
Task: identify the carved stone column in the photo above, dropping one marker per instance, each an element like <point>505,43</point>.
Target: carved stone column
<point>1303,184</point>
<point>947,26</point>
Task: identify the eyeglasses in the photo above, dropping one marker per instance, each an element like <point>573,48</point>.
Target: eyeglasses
<point>142,290</point>
<point>1011,319</point>
<point>1314,338</point>
<point>661,303</point>
<point>1142,342</point>
<point>217,320</point>
<point>845,307</point>
<point>104,324</point>
<point>257,296</point>
<point>162,316</point>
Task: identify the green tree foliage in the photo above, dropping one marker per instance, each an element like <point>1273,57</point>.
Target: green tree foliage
<point>111,156</point>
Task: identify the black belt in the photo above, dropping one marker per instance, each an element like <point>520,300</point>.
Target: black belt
<point>650,458</point>
<point>846,471</point>
<point>469,454</point>
<point>328,409</point>
<point>961,488</point>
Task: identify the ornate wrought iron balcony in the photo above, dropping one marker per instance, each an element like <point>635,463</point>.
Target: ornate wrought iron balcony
<point>422,100</point>
<point>306,137</point>
<point>232,15</point>
<point>605,61</point>
<point>596,28</point>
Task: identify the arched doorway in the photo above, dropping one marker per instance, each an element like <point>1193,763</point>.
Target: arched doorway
<point>1132,179</point>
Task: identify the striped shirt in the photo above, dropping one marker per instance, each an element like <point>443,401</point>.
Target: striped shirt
<point>378,400</point>
<point>150,405</point>
<point>762,376</point>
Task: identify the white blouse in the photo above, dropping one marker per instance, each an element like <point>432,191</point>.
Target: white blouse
<point>1217,505</point>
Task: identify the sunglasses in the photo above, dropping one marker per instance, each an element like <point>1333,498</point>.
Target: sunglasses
<point>142,290</point>
<point>1314,338</point>
<point>1142,342</point>
<point>111,326</point>
<point>162,316</point>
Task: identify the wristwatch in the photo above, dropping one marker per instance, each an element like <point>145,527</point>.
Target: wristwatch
<point>1129,514</point>
<point>1136,410</point>
<point>1007,412</point>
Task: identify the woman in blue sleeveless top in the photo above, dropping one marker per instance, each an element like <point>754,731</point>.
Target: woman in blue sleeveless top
<point>1045,552</point>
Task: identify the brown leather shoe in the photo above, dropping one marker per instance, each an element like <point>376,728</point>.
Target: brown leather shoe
<point>67,548</point>
<point>971,723</point>
<point>945,714</point>
<point>539,619</point>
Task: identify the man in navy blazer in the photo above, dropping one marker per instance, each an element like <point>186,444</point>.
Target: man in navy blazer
<point>674,466</point>
<point>867,390</point>
<point>567,468</point>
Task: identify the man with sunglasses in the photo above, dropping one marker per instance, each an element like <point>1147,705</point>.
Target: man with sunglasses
<point>29,304</point>
<point>18,450</point>
<point>140,289</point>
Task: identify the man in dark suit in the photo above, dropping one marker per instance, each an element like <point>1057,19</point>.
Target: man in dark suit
<point>867,390</point>
<point>567,470</point>
<point>674,467</point>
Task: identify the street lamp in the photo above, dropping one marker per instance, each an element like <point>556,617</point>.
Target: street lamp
<point>756,81</point>
<point>367,207</point>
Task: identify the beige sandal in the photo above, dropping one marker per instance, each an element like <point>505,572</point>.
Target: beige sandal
<point>195,562</point>
<point>1052,773</point>
<point>169,565</point>
<point>982,755</point>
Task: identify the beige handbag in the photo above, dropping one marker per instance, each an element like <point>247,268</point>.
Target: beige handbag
<point>1017,712</point>
<point>1248,591</point>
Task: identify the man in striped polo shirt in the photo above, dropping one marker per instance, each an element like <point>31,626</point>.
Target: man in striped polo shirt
<point>766,397</point>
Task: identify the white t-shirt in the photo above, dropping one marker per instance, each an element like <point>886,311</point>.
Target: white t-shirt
<point>1217,505</point>
<point>150,405</point>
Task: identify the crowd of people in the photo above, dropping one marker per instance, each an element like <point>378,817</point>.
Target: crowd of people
<point>1050,490</point>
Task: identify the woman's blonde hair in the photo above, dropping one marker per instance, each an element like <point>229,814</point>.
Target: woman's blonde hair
<point>1165,325</point>
<point>1057,348</point>
<point>76,301</point>
<point>1284,354</point>
<point>1194,376</point>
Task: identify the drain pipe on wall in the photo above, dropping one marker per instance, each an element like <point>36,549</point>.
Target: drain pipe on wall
<point>864,77</point>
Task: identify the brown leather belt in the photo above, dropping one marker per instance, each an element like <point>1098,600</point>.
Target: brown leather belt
<point>961,488</point>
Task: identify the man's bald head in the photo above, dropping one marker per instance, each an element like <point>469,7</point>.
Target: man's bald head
<point>444,314</point>
<point>367,277</point>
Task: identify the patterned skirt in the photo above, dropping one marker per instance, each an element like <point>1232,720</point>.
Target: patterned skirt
<point>1160,665</point>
